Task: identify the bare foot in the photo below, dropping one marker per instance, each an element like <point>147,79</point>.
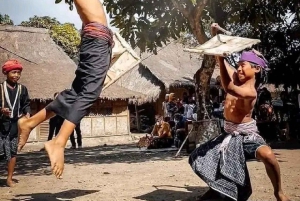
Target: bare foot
<point>10,183</point>
<point>24,131</point>
<point>282,197</point>
<point>56,156</point>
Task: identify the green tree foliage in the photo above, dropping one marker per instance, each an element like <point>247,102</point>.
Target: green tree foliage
<point>276,24</point>
<point>150,24</point>
<point>40,22</point>
<point>5,20</point>
<point>282,46</point>
<point>65,35</point>
<point>70,2</point>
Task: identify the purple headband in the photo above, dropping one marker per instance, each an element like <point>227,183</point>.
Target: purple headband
<point>252,57</point>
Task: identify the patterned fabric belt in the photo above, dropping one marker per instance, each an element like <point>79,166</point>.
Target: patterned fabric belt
<point>233,129</point>
<point>98,30</point>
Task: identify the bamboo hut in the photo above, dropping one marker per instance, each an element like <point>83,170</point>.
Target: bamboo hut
<point>110,115</point>
<point>47,69</point>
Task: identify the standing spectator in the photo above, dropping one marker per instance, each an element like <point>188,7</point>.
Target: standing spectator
<point>15,103</point>
<point>79,137</point>
<point>54,123</point>
<point>164,106</point>
<point>180,108</point>
<point>191,109</point>
<point>185,97</point>
<point>171,106</point>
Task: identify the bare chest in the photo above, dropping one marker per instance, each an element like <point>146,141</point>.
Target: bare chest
<point>233,103</point>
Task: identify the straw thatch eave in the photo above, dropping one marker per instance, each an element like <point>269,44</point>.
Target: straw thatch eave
<point>141,80</point>
<point>116,92</point>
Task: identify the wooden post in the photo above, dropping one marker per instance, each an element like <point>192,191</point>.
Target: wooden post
<point>90,117</point>
<point>128,120</point>
<point>137,117</point>
<point>38,128</point>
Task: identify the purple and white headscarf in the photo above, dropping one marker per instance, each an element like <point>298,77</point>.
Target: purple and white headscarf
<point>254,57</point>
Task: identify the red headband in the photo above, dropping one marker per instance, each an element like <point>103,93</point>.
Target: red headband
<point>10,65</point>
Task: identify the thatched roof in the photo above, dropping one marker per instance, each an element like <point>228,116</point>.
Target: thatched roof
<point>53,71</point>
<point>141,80</point>
<point>156,73</point>
<point>172,65</point>
<point>116,92</point>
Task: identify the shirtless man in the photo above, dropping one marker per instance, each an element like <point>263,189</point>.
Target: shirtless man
<point>221,162</point>
<point>73,104</point>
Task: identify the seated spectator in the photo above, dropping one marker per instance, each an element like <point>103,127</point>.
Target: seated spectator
<point>162,129</point>
<point>160,136</point>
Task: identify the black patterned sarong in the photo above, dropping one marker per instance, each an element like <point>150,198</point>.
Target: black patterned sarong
<point>95,58</point>
<point>8,140</point>
<point>221,162</point>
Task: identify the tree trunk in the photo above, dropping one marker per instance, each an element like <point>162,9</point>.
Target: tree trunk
<point>203,75</point>
<point>202,85</point>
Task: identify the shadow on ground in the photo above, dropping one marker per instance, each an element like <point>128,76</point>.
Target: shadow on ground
<point>65,195</point>
<point>37,163</point>
<point>160,194</point>
<point>191,193</point>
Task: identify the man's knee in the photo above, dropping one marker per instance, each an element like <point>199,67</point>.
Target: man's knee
<point>13,159</point>
<point>265,154</point>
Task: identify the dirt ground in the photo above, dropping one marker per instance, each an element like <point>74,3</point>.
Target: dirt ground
<point>122,172</point>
